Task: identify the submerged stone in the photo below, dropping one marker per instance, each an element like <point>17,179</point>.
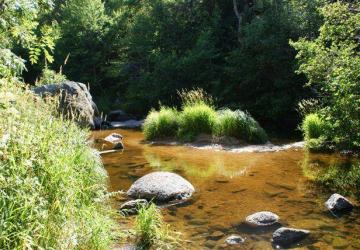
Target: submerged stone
<point>161,187</point>
<point>286,236</point>
<point>338,203</point>
<point>234,240</point>
<point>264,218</point>
<point>132,207</point>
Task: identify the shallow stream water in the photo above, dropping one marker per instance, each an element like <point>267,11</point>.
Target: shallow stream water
<point>230,186</point>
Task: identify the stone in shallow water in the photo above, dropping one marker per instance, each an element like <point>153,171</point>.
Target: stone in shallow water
<point>338,203</point>
<point>132,207</point>
<point>161,187</point>
<point>264,218</point>
<point>234,240</point>
<point>216,235</point>
<point>286,236</point>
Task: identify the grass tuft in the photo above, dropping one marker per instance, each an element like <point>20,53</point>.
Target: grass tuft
<point>161,124</point>
<point>151,231</point>
<point>196,119</point>
<point>240,125</point>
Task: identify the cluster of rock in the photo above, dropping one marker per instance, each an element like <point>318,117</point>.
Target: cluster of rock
<point>158,187</point>
<point>286,236</point>
<point>161,187</point>
<point>76,103</point>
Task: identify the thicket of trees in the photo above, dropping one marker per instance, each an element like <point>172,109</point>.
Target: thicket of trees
<point>135,53</point>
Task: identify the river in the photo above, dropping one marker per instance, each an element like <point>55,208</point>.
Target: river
<point>230,186</point>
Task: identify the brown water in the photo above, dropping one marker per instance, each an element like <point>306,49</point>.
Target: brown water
<point>231,186</point>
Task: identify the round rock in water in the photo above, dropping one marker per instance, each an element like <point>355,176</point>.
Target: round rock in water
<point>161,187</point>
<point>234,240</point>
<point>286,236</point>
<point>261,219</point>
<point>338,203</point>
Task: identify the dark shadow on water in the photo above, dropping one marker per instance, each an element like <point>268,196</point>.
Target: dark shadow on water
<point>247,229</point>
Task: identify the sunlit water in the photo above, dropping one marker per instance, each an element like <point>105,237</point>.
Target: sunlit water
<point>231,186</point>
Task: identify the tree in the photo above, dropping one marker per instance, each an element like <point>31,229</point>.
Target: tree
<point>331,63</point>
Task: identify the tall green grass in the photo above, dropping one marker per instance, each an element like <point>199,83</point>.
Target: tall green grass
<point>197,116</point>
<point>240,125</point>
<point>314,130</point>
<point>196,119</point>
<point>51,181</point>
<point>151,231</point>
<point>161,124</point>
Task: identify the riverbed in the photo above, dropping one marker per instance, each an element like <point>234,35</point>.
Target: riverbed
<point>232,185</point>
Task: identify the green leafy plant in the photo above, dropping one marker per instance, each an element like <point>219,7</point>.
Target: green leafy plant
<point>331,63</point>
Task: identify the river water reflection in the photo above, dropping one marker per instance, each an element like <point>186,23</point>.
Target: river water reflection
<point>230,186</point>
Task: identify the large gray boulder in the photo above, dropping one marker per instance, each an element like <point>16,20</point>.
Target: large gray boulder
<point>338,203</point>
<point>161,187</point>
<point>261,219</point>
<point>285,236</point>
<point>75,101</point>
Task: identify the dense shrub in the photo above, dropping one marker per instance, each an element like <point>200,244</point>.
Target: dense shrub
<point>240,125</point>
<point>331,62</point>
<point>195,119</point>
<point>51,182</point>
<point>161,124</point>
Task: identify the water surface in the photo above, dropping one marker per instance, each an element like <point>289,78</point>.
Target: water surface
<point>230,186</point>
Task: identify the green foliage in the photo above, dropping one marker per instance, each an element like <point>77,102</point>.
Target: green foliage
<point>331,62</point>
<point>49,76</point>
<point>83,44</point>
<point>52,182</point>
<point>20,25</point>
<point>313,127</point>
<point>161,124</point>
<point>196,119</point>
<point>240,125</point>
<point>198,116</point>
<point>151,231</point>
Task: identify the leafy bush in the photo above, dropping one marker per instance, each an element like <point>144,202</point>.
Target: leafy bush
<point>161,124</point>
<point>195,119</point>
<point>151,231</point>
<point>331,62</point>
<point>240,125</point>
<point>52,183</point>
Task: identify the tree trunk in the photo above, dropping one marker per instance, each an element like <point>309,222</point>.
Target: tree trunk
<point>238,16</point>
